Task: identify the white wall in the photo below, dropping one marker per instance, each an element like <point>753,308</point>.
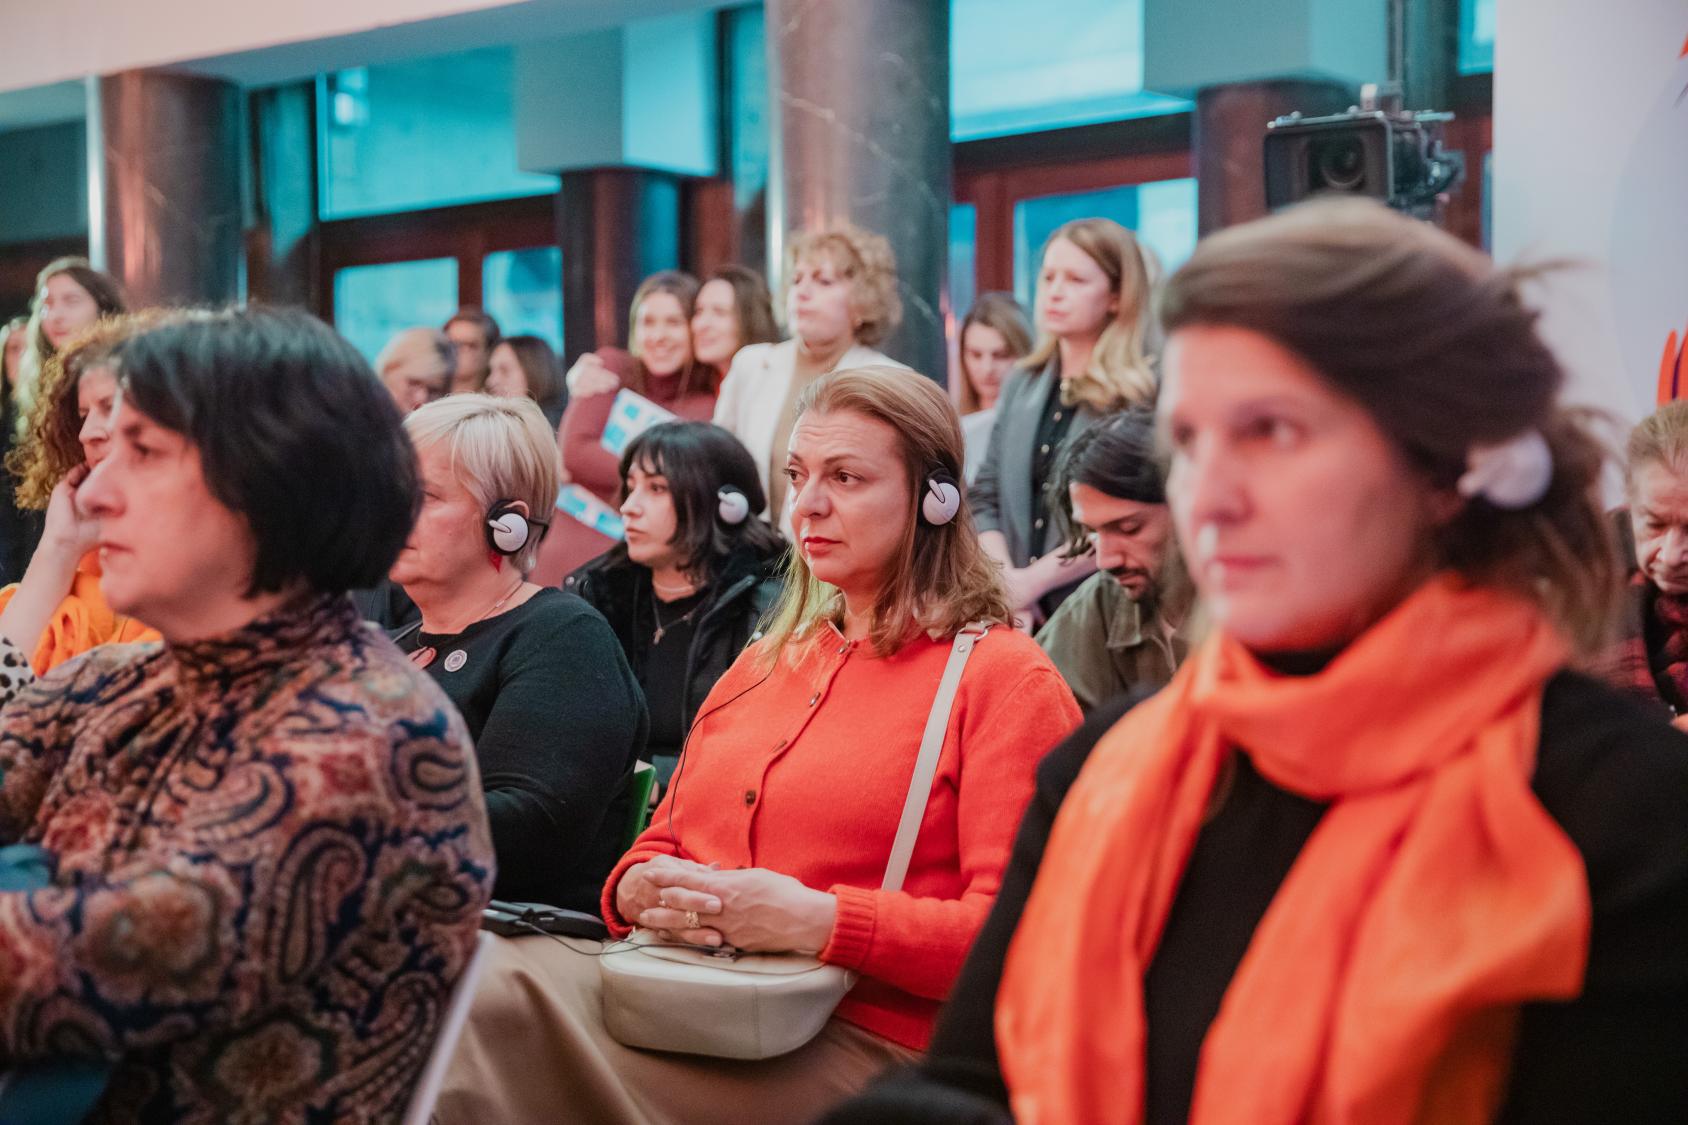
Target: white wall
<point>1591,162</point>
<point>49,42</point>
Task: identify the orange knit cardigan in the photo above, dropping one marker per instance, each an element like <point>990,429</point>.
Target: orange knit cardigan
<point>805,773</point>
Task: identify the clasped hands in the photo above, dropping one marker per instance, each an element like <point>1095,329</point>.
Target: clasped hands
<point>753,909</point>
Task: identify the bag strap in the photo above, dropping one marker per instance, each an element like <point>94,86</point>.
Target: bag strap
<point>926,763</point>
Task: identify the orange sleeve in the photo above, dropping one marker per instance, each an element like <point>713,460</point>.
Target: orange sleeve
<point>915,943</point>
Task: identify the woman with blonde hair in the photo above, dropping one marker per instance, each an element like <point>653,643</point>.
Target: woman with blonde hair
<point>556,716</point>
<point>1092,316</point>
<point>994,339</point>
<point>840,300</point>
<point>1377,854</point>
<point>416,367</point>
<point>776,831</point>
<point>56,611</point>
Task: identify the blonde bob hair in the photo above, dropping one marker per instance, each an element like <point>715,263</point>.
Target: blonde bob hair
<point>1119,374</point>
<point>501,449</point>
<point>942,580</point>
<point>864,260</point>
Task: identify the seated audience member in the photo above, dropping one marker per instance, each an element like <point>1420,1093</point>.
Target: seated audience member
<point>660,366</point>
<point>840,300</point>
<point>416,366</point>
<point>994,337</point>
<point>473,335</point>
<point>1650,661</point>
<point>57,612</point>
<point>1375,854</point>
<point>70,295</point>
<point>15,532</point>
<point>733,310</point>
<point>792,788</point>
<point>526,367</point>
<point>556,717</point>
<point>1126,627</point>
<point>271,852</point>
<point>697,571</point>
<point>1092,318</point>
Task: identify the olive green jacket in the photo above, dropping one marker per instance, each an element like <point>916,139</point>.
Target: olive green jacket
<point>1104,643</point>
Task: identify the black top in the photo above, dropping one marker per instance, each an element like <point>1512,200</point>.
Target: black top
<point>679,673</point>
<point>558,724</point>
<point>1052,431</point>
<point>1614,778</point>
<point>673,625</point>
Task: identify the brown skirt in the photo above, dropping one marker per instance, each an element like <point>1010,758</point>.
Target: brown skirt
<point>535,1051</point>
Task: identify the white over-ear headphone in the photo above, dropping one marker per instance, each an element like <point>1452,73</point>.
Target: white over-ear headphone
<point>732,505</point>
<point>940,499</point>
<point>508,530</point>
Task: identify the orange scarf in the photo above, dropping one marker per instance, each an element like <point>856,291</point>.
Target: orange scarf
<point>82,621</point>
<point>1434,897</point>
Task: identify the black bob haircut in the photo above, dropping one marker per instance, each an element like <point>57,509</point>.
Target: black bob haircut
<point>698,460</point>
<point>294,433</point>
<point>1117,457</point>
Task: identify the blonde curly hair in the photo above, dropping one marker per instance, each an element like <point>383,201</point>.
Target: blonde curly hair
<point>51,444</point>
<point>864,259</point>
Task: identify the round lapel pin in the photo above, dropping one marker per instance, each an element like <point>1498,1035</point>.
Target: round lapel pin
<point>455,660</point>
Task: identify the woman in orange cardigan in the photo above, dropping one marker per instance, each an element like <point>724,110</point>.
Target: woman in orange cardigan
<point>776,829</point>
<point>57,612</point>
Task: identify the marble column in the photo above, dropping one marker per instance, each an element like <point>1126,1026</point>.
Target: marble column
<point>283,245</point>
<point>164,213</point>
<point>861,133</point>
<point>616,226</point>
<point>1230,141</point>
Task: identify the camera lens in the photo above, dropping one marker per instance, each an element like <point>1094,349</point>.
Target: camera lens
<point>1341,164</point>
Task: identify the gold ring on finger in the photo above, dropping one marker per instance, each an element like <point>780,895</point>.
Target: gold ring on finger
<point>691,920</point>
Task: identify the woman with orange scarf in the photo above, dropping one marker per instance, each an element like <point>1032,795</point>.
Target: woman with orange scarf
<point>1375,855</point>
<point>57,612</point>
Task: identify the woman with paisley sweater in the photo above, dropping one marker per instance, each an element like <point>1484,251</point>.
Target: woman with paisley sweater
<point>270,847</point>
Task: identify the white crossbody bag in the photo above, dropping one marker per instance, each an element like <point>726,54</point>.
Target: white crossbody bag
<point>757,1005</point>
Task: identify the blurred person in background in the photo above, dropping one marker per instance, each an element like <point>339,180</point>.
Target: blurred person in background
<point>658,365</point>
<point>1092,315</point>
<point>994,338</point>
<point>473,335</point>
<point>526,367</point>
<point>14,521</point>
<point>734,310</point>
<point>840,300</point>
<point>416,367</point>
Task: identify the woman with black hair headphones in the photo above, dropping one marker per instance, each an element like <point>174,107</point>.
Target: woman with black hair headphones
<point>697,570</point>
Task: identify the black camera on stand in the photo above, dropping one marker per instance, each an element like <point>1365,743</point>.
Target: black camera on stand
<point>1390,154</point>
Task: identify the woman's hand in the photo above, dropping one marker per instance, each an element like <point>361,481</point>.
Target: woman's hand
<point>756,910</point>
<point>68,535</point>
<point>590,377</point>
<point>657,885</point>
<point>68,531</point>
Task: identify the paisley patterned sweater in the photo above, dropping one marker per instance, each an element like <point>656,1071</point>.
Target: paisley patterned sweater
<point>272,857</point>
